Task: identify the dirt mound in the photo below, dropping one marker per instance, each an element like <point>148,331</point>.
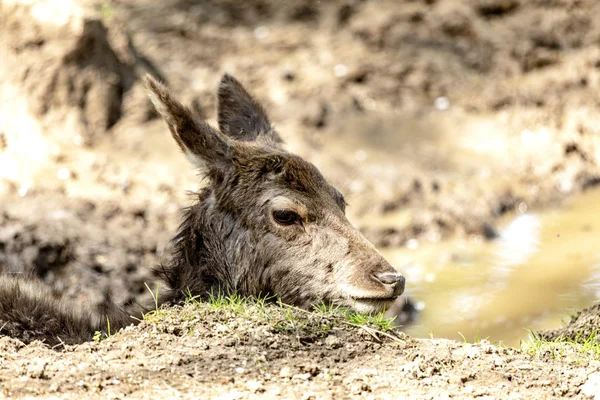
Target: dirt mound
<point>582,326</point>
<point>236,351</point>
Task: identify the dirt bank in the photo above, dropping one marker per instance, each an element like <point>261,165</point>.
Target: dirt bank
<point>235,351</point>
<point>582,327</point>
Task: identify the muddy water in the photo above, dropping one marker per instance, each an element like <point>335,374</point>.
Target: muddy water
<point>543,267</point>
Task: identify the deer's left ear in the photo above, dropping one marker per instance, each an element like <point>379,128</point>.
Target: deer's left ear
<point>241,116</point>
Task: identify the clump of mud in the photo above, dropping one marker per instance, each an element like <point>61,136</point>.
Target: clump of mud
<point>73,71</point>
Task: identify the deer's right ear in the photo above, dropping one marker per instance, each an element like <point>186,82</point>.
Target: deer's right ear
<point>241,116</point>
<point>204,146</point>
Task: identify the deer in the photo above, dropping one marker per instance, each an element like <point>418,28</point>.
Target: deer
<point>266,223</point>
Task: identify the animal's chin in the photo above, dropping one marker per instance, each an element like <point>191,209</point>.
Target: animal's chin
<point>370,305</point>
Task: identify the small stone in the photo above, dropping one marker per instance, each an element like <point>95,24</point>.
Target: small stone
<point>455,380</point>
<point>240,370</point>
<point>441,103</point>
<point>333,342</point>
<point>498,361</point>
<point>233,395</point>
<point>78,140</point>
<point>591,387</point>
<point>285,372</point>
<point>412,244</point>
<point>355,389</point>
<point>261,32</point>
<point>23,190</point>
<point>302,377</point>
<point>37,369</point>
<point>255,386</point>
<point>63,174</point>
<point>473,352</point>
<point>561,390</point>
<point>340,70</point>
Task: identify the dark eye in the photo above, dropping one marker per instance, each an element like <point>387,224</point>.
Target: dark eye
<point>286,217</point>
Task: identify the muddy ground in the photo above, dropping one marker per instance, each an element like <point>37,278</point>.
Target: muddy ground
<point>434,118</point>
<point>203,351</point>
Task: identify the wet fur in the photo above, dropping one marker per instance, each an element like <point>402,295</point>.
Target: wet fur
<point>30,311</point>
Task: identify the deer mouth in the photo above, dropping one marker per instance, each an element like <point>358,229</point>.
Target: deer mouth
<point>391,298</point>
<point>371,305</point>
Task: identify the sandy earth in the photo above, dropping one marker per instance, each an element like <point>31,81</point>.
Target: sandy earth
<point>204,352</point>
<point>433,117</point>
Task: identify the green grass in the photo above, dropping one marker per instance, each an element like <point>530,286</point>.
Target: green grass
<point>282,317</point>
<point>477,338</point>
<point>190,298</point>
<point>377,320</point>
<point>579,349</point>
<point>157,313</point>
<point>99,335</point>
<point>324,319</point>
<point>234,303</point>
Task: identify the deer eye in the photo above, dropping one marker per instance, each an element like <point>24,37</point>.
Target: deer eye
<point>286,217</point>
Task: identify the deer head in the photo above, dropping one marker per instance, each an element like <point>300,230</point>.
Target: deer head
<point>267,221</point>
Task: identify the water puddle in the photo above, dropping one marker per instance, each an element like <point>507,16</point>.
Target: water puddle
<point>542,268</point>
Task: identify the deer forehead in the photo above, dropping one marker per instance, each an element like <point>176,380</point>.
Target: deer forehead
<point>304,177</point>
<point>281,202</point>
<point>305,207</point>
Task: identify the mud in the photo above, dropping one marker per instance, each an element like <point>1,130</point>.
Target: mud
<point>86,250</point>
<point>435,118</point>
<point>271,352</point>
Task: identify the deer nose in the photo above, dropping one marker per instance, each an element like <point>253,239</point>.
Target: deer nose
<point>394,279</point>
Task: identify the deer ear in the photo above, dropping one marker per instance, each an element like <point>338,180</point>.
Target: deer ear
<point>204,146</point>
<point>241,116</point>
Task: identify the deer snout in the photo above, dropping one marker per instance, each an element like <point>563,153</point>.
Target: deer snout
<point>389,278</point>
<point>394,280</point>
